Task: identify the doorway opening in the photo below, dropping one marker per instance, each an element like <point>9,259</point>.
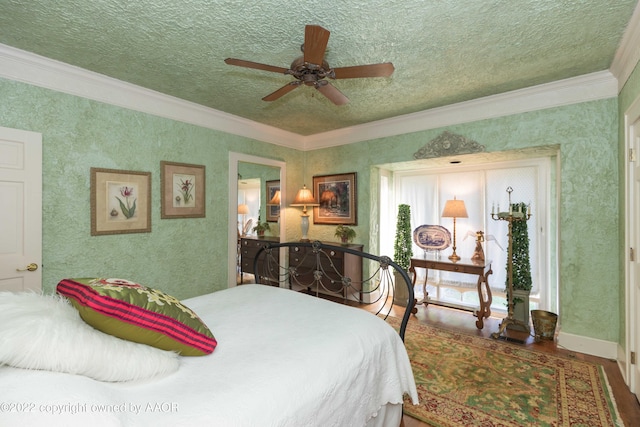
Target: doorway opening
<point>480,180</point>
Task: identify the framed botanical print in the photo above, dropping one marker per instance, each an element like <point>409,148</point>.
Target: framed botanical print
<point>182,190</point>
<point>120,201</point>
<point>336,196</point>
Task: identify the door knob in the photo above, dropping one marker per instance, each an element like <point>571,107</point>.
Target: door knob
<point>31,267</point>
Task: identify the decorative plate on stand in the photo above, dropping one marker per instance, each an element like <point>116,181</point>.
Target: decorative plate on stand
<point>432,237</point>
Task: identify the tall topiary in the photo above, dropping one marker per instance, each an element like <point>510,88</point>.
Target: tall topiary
<point>520,252</point>
<point>402,247</point>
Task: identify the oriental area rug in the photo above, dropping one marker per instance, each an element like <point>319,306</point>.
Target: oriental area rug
<point>465,380</point>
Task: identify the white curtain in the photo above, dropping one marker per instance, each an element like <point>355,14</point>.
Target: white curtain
<point>483,189</point>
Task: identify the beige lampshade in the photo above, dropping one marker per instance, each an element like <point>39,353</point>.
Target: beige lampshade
<point>304,198</point>
<point>454,209</point>
<point>275,200</point>
<point>243,209</point>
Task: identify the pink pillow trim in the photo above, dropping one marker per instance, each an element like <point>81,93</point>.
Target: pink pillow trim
<point>132,314</point>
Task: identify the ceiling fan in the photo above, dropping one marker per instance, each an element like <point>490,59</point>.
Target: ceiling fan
<point>311,69</point>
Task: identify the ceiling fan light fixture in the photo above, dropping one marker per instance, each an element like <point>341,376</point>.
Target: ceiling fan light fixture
<point>311,68</point>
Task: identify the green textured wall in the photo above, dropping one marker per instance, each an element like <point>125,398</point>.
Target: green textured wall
<point>188,257</point>
<point>589,249</point>
<point>185,257</point>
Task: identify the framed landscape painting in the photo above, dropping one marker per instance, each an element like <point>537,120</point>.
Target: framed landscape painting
<point>336,195</point>
<point>120,201</point>
<point>182,190</point>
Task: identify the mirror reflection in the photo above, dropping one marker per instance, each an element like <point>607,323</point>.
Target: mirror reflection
<point>268,175</point>
<point>257,187</point>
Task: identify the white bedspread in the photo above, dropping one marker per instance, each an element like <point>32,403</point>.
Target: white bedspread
<point>283,359</point>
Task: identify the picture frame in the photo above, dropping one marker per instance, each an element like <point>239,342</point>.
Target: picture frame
<point>273,211</point>
<point>337,199</point>
<point>120,201</point>
<point>182,190</point>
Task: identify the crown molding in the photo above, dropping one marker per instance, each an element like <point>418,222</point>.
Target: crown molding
<point>26,67</point>
<point>628,53</point>
<point>590,87</point>
<point>39,71</point>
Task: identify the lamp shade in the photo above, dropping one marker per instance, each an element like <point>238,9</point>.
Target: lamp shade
<point>275,200</point>
<point>243,209</point>
<point>454,209</point>
<point>304,198</point>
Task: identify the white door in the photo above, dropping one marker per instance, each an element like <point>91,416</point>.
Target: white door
<point>633,255</point>
<point>634,212</point>
<point>20,210</point>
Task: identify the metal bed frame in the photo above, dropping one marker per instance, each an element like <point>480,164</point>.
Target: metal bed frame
<point>377,290</point>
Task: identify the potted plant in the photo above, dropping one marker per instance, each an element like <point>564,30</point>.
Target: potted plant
<point>261,227</point>
<point>402,250</point>
<point>521,267</point>
<point>346,234</point>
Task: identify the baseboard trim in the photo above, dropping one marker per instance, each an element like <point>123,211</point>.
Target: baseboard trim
<point>592,346</point>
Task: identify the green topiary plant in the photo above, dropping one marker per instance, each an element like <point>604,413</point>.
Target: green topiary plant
<point>402,247</point>
<point>520,252</point>
<point>520,269</point>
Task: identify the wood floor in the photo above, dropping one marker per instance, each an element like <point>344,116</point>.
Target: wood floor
<point>448,318</point>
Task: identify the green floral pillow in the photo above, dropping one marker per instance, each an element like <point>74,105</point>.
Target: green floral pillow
<point>138,313</point>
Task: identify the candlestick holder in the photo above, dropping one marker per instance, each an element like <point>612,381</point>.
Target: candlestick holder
<point>511,216</point>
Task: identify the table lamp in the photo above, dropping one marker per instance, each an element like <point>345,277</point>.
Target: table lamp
<point>454,209</point>
<point>243,210</point>
<point>275,200</point>
<point>304,198</point>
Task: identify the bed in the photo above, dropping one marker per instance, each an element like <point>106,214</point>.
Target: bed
<point>283,358</point>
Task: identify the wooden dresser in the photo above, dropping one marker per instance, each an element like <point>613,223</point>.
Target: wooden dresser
<point>249,247</point>
<point>335,265</point>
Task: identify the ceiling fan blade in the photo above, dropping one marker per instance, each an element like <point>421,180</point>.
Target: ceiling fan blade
<point>256,65</point>
<point>282,91</point>
<point>374,70</point>
<point>331,92</point>
<point>315,44</point>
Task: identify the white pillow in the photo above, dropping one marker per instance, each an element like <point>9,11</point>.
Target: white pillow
<point>45,332</point>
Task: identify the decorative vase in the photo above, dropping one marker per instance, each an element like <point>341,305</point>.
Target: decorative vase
<point>544,324</point>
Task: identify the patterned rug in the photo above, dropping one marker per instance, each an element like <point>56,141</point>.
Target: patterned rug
<point>464,380</point>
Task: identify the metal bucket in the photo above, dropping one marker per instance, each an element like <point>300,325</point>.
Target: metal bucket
<point>544,324</point>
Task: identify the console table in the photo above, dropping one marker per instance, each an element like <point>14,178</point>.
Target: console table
<point>466,266</point>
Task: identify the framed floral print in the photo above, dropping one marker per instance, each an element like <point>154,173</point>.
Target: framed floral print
<point>336,195</point>
<point>182,190</point>
<point>120,201</point>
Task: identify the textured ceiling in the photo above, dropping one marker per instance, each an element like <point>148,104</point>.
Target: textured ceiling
<point>444,51</point>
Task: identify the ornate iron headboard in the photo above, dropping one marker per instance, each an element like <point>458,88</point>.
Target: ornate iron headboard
<point>316,271</point>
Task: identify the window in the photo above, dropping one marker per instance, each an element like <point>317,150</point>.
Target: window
<point>483,188</point>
